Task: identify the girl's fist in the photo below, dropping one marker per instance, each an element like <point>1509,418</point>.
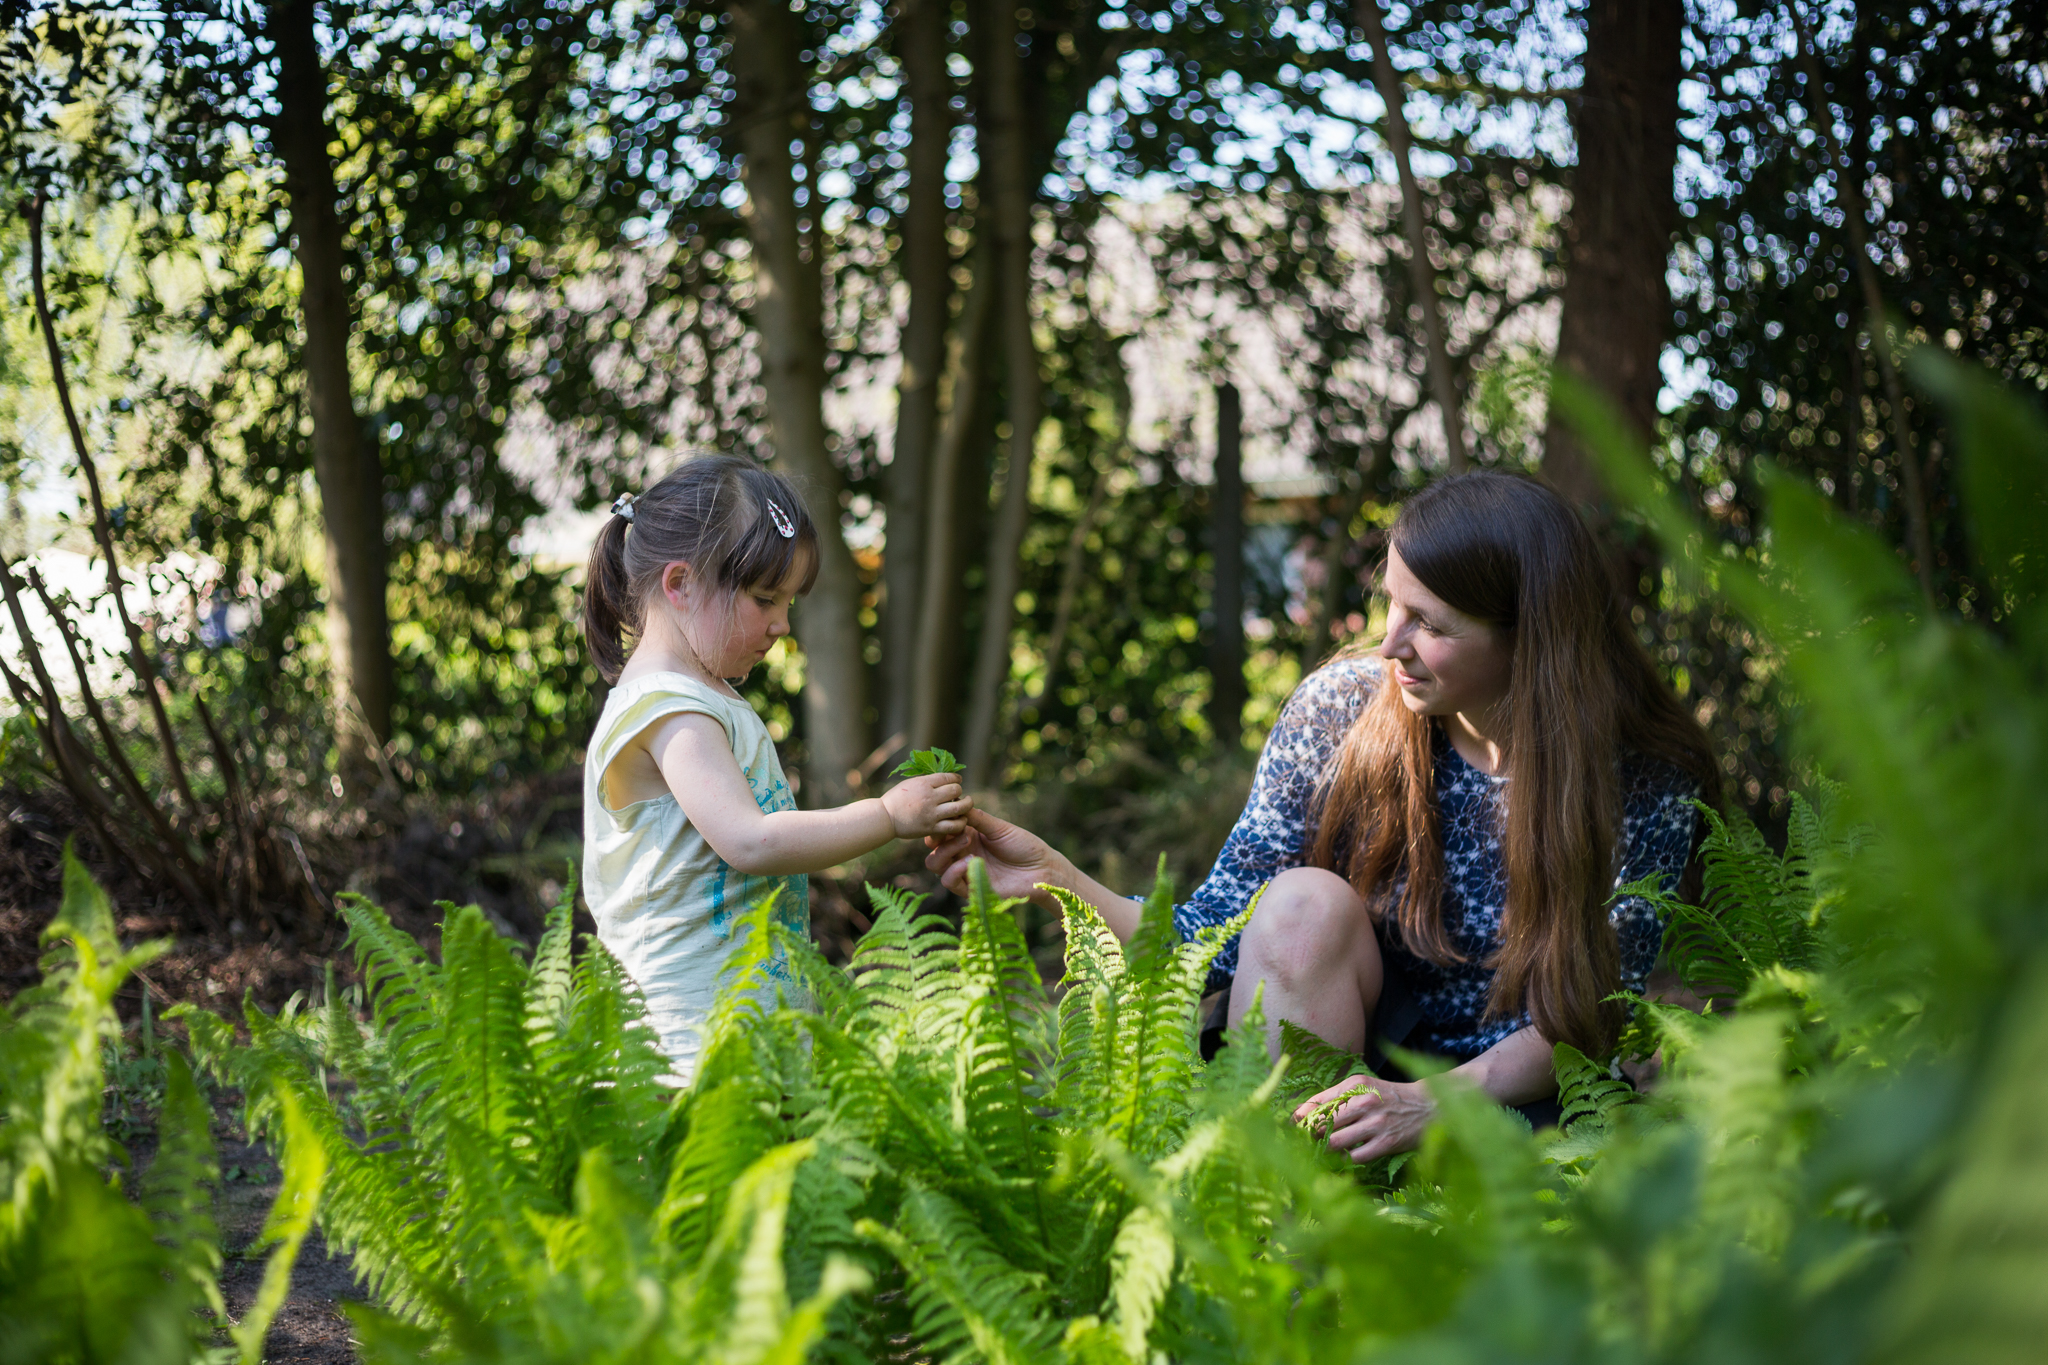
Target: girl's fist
<point>932,805</point>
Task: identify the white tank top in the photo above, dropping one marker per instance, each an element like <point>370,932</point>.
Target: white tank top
<point>664,902</point>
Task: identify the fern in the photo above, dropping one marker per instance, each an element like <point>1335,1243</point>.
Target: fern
<point>291,1218</point>
<point>86,1274</point>
<point>177,1192</point>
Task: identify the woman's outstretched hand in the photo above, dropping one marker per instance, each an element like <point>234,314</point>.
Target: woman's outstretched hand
<point>1379,1119</point>
<point>1017,860</point>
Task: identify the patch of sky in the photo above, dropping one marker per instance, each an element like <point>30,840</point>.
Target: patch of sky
<point>1323,122</point>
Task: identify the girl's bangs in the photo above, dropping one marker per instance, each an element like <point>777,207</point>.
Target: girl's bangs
<point>764,556</point>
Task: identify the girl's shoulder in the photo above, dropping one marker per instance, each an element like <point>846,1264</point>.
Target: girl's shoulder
<point>666,682</point>
<point>636,703</point>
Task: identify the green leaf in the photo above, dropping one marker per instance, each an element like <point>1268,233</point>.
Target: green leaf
<point>927,762</point>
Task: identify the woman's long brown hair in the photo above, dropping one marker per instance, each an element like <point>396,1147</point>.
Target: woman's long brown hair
<point>1510,552</point>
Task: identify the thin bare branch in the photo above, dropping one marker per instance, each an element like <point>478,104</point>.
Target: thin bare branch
<point>1855,210</point>
<point>145,671</point>
<point>1421,274</point>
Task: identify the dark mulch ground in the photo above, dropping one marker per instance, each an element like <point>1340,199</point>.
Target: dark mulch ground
<point>311,1327</point>
<point>509,852</point>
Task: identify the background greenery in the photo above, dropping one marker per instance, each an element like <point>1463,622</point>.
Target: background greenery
<point>550,286</point>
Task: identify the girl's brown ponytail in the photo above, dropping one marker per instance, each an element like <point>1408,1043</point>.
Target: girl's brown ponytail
<point>610,609</point>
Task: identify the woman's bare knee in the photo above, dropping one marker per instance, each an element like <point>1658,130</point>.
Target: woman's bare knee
<point>1307,922</point>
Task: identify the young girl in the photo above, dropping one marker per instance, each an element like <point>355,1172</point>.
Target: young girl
<point>687,821</point>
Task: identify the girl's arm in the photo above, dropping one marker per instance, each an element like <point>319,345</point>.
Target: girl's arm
<point>697,762</point>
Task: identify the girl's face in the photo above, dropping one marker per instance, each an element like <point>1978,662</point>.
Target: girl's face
<point>729,633</point>
<point>1445,662</point>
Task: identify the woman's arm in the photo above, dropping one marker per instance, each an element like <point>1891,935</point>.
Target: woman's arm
<point>1267,839</point>
<point>1019,863</point>
<point>697,762</point>
<point>1387,1117</point>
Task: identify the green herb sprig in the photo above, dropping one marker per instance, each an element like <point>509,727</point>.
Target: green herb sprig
<point>925,762</point>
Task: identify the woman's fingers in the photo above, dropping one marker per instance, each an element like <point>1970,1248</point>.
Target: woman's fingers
<point>1351,1084</point>
<point>948,849</point>
<point>1382,1121</point>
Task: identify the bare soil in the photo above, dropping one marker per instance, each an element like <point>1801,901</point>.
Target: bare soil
<point>311,1327</point>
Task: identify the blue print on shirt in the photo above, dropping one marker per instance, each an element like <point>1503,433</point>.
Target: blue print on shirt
<point>734,893</point>
<point>1272,835</point>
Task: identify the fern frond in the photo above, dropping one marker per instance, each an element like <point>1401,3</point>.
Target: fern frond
<point>735,1119</point>
<point>1586,1091</point>
<point>996,1067</point>
<point>549,979</point>
<point>1158,1063</point>
<point>736,1298</point>
<point>601,1084</point>
<point>968,1302</point>
<point>291,1218</point>
<point>399,983</point>
<point>1313,1065</point>
<point>177,1191</point>
<point>485,1077</point>
<point>1241,1074</point>
<point>380,1196</point>
<point>1141,1272</point>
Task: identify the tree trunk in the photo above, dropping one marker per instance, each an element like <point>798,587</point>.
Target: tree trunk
<point>1443,382</point>
<point>345,460</point>
<point>1617,307</point>
<point>927,270</point>
<point>1226,553</point>
<point>770,112</point>
<point>1007,159</point>
<point>934,682</point>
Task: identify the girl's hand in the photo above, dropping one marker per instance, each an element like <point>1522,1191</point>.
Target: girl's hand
<point>1379,1119</point>
<point>933,805</point>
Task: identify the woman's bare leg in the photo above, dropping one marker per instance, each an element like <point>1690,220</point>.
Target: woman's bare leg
<point>1312,944</point>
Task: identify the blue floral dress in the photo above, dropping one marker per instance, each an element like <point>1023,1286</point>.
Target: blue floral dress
<point>1273,835</point>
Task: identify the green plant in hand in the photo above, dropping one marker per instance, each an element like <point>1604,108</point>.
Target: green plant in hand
<point>927,762</point>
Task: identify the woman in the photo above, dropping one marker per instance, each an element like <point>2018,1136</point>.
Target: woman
<point>1441,821</point>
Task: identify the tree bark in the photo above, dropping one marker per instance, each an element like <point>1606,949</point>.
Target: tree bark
<point>1226,554</point>
<point>1617,307</point>
<point>1006,156</point>
<point>927,271</point>
<point>345,460</point>
<point>934,684</point>
<point>770,112</point>
<point>1443,383</point>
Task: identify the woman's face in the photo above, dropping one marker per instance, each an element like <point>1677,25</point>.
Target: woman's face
<point>1445,662</point>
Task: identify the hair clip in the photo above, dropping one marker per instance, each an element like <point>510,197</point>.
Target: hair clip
<point>784,527</point>
<point>622,506</point>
